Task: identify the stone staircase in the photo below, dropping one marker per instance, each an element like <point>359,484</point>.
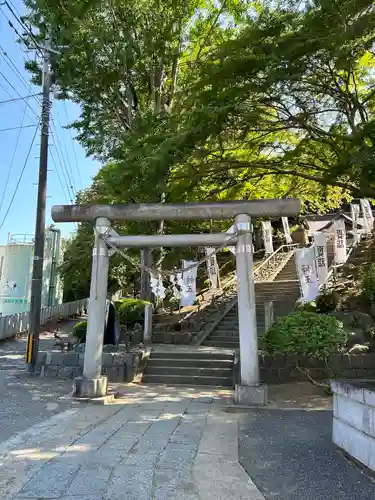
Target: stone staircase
<point>284,290</point>
<point>190,366</point>
<point>211,364</point>
<point>284,295</point>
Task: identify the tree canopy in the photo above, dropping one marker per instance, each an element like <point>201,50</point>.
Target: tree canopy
<point>190,100</point>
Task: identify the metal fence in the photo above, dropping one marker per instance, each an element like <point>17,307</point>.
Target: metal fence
<point>14,324</point>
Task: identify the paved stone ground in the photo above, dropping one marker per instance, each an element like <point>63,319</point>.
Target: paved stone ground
<point>25,400</point>
<point>153,443</point>
<point>290,456</point>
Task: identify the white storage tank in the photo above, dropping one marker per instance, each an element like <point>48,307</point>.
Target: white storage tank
<point>16,275</point>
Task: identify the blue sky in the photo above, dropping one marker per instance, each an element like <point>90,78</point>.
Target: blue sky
<point>67,160</point>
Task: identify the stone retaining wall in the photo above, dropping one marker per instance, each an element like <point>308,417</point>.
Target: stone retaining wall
<point>353,419</point>
<point>118,366</point>
<point>281,369</point>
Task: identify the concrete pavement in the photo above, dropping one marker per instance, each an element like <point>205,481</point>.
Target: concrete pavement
<point>289,454</point>
<point>154,443</point>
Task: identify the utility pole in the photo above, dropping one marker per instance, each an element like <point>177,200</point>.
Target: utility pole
<point>37,274</point>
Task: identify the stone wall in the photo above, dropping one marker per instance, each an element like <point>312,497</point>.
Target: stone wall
<point>118,366</point>
<point>281,369</point>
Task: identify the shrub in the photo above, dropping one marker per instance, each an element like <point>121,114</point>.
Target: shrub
<point>327,301</point>
<point>367,277</point>
<point>306,306</point>
<point>305,333</point>
<point>131,311</point>
<point>80,330</point>
<point>118,304</point>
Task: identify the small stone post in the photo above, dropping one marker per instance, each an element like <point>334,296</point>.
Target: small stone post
<point>268,314</point>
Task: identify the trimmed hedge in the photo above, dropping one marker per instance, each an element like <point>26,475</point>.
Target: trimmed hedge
<point>131,311</point>
<point>80,331</point>
<point>305,333</point>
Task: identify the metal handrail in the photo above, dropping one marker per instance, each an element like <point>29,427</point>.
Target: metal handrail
<point>292,246</point>
<point>221,291</point>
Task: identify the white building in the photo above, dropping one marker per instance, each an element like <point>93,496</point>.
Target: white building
<point>16,260</point>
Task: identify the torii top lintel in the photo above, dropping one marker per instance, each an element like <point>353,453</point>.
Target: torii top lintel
<point>177,211</point>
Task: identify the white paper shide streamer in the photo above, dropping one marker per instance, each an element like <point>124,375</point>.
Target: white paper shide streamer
<point>232,231</point>
<point>367,215</point>
<point>212,267</point>
<point>305,262</point>
<point>321,262</point>
<point>176,282</point>
<point>288,237</point>
<point>189,283</point>
<point>157,286</point>
<point>340,241</point>
<point>267,236</point>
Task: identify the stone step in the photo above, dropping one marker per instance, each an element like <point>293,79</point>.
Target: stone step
<point>183,355</point>
<point>191,371</point>
<point>199,363</point>
<point>224,336</point>
<point>188,380</point>
<point>235,344</point>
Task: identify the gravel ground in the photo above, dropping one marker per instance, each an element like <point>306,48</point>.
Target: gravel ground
<point>290,456</point>
<point>27,400</point>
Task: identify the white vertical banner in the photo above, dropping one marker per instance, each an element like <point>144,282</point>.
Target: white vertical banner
<point>367,215</point>
<point>267,236</point>
<point>189,283</point>
<point>305,263</point>
<point>212,267</point>
<point>288,238</point>
<point>354,209</point>
<point>321,261</point>
<point>340,241</point>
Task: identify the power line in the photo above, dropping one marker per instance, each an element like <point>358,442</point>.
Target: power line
<point>59,152</point>
<point>19,98</point>
<point>16,91</point>
<point>12,66</point>
<point>18,128</point>
<point>21,21</point>
<point>13,157</point>
<point>59,177</point>
<point>19,179</point>
<point>10,95</point>
<point>23,26</point>
<point>63,172</point>
<point>73,145</point>
<point>67,155</point>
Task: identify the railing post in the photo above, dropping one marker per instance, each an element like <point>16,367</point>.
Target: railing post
<point>268,314</point>
<point>147,332</point>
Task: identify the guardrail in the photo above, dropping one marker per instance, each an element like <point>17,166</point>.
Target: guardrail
<point>13,324</point>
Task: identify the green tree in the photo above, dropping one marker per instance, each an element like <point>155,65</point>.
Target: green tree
<point>201,100</point>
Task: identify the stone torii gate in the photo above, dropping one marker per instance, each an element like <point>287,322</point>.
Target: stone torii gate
<point>93,384</point>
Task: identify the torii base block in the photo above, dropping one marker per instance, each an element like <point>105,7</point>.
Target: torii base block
<point>247,395</point>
